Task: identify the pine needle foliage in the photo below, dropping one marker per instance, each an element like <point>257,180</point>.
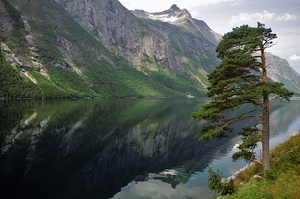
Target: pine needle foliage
<point>241,79</point>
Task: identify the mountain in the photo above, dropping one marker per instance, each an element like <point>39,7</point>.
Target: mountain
<point>138,39</point>
<point>82,48</point>
<point>183,19</point>
<point>99,48</point>
<point>174,56</point>
<point>279,70</point>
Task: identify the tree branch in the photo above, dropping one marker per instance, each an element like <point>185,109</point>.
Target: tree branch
<point>239,118</point>
<point>258,162</point>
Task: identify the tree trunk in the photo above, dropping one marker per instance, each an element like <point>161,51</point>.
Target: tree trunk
<point>265,134</point>
<point>265,118</point>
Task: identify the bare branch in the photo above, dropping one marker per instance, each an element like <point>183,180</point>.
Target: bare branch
<point>258,162</point>
<point>252,153</point>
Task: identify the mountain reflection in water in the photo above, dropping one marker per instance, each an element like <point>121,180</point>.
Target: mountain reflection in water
<point>125,148</point>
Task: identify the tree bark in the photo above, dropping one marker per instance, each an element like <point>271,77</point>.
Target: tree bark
<point>265,118</point>
<point>265,134</point>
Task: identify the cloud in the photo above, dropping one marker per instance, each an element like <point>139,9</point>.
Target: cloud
<point>265,16</point>
<point>211,2</point>
<point>195,14</point>
<point>254,17</point>
<point>295,57</point>
<point>287,17</point>
<point>238,2</point>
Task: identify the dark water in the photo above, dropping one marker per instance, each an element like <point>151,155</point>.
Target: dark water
<point>134,148</point>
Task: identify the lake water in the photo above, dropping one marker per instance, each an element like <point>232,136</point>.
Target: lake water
<point>123,148</point>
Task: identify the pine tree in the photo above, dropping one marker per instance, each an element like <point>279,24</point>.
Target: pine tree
<point>242,79</point>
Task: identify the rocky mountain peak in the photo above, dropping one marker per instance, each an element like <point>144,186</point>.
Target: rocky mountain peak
<point>174,7</point>
<point>179,13</point>
<point>182,19</point>
<point>173,14</point>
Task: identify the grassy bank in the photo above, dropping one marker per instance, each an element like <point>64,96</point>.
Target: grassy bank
<point>281,181</point>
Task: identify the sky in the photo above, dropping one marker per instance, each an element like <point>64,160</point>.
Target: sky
<point>282,16</point>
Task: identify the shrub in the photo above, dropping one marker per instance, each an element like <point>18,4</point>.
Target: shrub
<point>220,185</point>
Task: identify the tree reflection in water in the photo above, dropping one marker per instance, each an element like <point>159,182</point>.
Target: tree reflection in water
<point>106,148</point>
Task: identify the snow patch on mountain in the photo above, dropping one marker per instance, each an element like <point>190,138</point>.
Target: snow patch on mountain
<point>164,18</point>
<point>171,15</point>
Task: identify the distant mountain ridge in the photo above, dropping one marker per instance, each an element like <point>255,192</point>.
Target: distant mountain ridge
<point>279,70</point>
<point>181,18</point>
<point>171,15</point>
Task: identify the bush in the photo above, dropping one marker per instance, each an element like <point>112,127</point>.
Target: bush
<point>220,185</point>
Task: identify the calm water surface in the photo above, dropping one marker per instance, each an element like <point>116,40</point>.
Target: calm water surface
<point>133,148</point>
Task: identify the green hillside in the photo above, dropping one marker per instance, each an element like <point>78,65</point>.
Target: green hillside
<point>281,181</point>
<point>73,62</point>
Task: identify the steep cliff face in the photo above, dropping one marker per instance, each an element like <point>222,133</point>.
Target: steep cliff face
<point>44,43</point>
<point>279,70</point>
<point>146,42</point>
<point>108,21</point>
<point>183,19</point>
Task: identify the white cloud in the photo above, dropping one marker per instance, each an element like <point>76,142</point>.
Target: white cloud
<point>238,2</point>
<point>265,16</point>
<point>254,17</point>
<point>295,57</point>
<point>212,2</point>
<point>195,14</point>
<point>286,17</point>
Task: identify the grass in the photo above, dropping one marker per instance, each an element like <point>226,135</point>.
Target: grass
<point>281,181</point>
